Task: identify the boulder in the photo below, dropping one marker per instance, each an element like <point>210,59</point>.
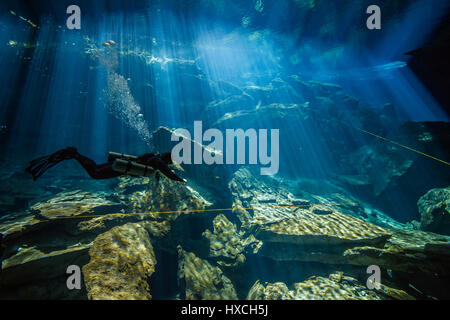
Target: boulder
<point>275,113</point>
<point>406,177</point>
<point>166,200</point>
<point>40,243</point>
<point>65,207</point>
<point>434,209</point>
<point>31,264</point>
<point>199,280</point>
<point>321,233</point>
<point>121,262</point>
<point>336,287</point>
<point>228,246</point>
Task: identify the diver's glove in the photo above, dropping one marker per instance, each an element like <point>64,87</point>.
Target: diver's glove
<point>158,164</point>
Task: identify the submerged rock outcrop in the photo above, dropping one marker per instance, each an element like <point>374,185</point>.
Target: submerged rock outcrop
<point>336,287</point>
<point>167,201</point>
<point>63,207</point>
<point>321,233</point>
<point>434,208</point>
<point>199,280</point>
<point>228,246</point>
<point>121,261</point>
<point>34,273</point>
<point>118,231</point>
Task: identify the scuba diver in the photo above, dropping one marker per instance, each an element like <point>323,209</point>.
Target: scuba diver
<point>118,165</point>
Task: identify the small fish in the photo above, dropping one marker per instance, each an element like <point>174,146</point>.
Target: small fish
<point>13,13</point>
<point>32,24</point>
<point>109,43</point>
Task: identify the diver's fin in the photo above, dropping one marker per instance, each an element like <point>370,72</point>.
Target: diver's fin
<point>40,165</point>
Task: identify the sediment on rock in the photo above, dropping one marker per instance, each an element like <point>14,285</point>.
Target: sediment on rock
<point>199,280</point>
<point>336,287</point>
<point>121,262</point>
<point>227,246</point>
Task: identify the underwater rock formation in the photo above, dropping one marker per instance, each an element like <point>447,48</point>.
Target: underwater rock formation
<point>270,202</point>
<point>434,208</point>
<point>60,207</point>
<point>336,287</point>
<point>121,261</point>
<point>34,271</point>
<point>165,200</point>
<point>315,117</point>
<point>199,280</point>
<point>41,242</point>
<point>280,223</point>
<point>413,252</point>
<point>74,203</point>
<point>159,204</point>
<point>391,171</point>
<point>330,122</point>
<point>228,246</point>
<point>321,233</point>
<point>374,167</point>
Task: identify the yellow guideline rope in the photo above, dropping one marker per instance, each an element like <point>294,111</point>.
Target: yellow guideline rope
<point>199,210</point>
<point>388,140</point>
<point>403,146</point>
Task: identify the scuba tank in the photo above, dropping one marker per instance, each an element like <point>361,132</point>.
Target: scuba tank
<point>132,168</point>
<point>114,155</point>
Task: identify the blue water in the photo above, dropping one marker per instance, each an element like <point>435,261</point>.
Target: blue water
<point>170,60</point>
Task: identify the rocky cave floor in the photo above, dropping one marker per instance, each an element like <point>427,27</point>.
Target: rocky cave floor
<point>277,242</point>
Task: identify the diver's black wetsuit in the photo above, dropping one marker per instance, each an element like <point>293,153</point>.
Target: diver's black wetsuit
<point>101,171</point>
